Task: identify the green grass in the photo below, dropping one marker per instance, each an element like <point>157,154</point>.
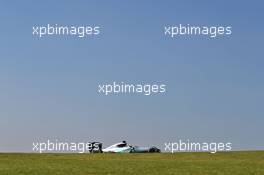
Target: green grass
<point>233,163</point>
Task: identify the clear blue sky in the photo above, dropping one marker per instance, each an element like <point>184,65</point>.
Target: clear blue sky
<point>48,86</point>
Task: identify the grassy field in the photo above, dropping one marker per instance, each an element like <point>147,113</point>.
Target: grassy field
<point>233,163</point>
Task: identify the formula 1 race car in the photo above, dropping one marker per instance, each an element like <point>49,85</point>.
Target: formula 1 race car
<point>123,147</point>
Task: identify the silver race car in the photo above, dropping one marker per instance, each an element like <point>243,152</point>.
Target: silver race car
<point>123,147</point>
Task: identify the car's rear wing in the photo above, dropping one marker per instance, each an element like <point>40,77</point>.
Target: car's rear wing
<point>96,147</point>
